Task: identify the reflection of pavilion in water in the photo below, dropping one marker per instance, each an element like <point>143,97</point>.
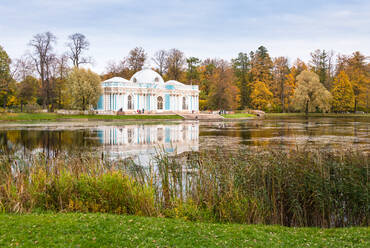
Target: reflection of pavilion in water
<point>144,141</point>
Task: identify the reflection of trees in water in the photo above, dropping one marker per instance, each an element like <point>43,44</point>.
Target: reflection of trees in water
<point>51,143</point>
<point>287,133</point>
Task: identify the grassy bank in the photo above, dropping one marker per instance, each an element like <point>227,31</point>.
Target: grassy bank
<point>105,230</point>
<point>316,115</point>
<point>237,115</point>
<point>291,188</point>
<point>56,117</point>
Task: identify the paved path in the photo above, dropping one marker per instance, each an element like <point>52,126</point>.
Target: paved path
<point>202,116</point>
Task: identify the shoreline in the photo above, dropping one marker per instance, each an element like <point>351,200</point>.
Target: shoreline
<point>52,117</point>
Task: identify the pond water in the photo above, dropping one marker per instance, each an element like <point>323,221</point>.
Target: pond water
<point>142,141</point>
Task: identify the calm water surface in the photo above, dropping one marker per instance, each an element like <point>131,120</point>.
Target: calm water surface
<point>141,142</point>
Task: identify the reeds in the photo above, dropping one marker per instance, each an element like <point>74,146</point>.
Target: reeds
<point>291,188</point>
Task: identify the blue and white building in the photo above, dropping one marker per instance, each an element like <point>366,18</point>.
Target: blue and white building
<point>146,90</point>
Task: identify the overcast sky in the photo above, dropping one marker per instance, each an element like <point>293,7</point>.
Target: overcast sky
<point>200,28</point>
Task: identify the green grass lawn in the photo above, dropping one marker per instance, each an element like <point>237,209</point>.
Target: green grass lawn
<point>54,117</point>
<point>105,230</point>
<point>315,115</point>
<point>237,115</point>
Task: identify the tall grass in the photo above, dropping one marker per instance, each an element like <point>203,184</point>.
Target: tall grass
<point>294,188</point>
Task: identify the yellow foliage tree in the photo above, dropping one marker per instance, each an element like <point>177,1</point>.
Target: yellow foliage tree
<point>343,95</point>
<point>261,96</point>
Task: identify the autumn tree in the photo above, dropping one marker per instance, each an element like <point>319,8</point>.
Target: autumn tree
<point>280,87</point>
<point>84,87</point>
<point>310,95</point>
<point>117,69</point>
<point>43,56</point>
<point>261,96</point>
<point>5,78</point>
<point>343,96</point>
<point>175,64</point>
<point>77,45</point>
<point>136,59</point>
<point>358,72</point>
<point>160,58</point>
<point>28,91</point>
<point>223,93</point>
<point>241,66</point>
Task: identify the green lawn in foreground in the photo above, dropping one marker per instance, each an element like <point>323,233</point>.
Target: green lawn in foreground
<point>316,115</point>
<point>104,230</point>
<point>237,115</point>
<point>53,116</point>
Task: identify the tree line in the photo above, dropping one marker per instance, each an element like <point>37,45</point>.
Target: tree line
<point>329,82</point>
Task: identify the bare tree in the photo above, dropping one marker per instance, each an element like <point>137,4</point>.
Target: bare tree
<point>160,58</point>
<point>175,64</point>
<point>42,56</point>
<point>22,67</point>
<point>77,45</point>
<point>136,59</point>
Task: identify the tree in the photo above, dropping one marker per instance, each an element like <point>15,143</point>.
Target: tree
<point>241,66</point>
<point>192,73</point>
<point>84,87</point>
<point>321,63</point>
<point>261,66</point>
<point>261,96</point>
<point>119,69</point>
<point>136,59</point>
<point>61,70</point>
<point>206,71</point>
<point>175,64</point>
<point>22,68</point>
<point>343,96</point>
<point>77,45</point>
<point>280,72</point>
<point>27,91</point>
<point>223,93</point>
<point>310,95</point>
<point>160,58</point>
<point>291,83</point>
<point>43,57</point>
<point>358,72</point>
<point>5,78</point>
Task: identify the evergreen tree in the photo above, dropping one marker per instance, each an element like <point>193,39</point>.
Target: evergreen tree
<point>192,73</point>
<point>241,66</point>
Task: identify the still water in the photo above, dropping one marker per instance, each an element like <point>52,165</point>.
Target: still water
<point>141,142</point>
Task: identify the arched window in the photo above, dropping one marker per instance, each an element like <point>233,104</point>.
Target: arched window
<point>135,80</point>
<point>184,105</point>
<point>159,102</point>
<point>156,79</point>
<point>130,104</point>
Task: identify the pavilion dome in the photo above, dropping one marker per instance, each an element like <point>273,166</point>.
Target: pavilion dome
<point>147,76</point>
